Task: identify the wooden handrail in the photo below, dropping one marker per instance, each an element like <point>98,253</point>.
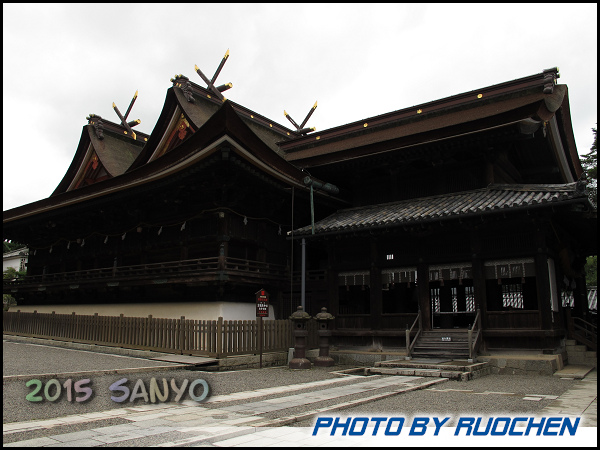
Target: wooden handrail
<point>477,327</point>
<point>174,267</point>
<point>584,332</point>
<point>409,345</point>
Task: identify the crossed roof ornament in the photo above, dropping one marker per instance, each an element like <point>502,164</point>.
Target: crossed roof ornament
<point>128,125</point>
<point>211,83</point>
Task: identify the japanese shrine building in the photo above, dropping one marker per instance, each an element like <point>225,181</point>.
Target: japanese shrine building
<point>474,202</point>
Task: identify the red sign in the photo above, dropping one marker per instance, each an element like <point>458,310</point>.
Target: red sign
<point>262,303</point>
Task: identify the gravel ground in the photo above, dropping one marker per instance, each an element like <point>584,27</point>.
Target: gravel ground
<point>437,401</point>
<point>16,408</point>
<point>22,359</point>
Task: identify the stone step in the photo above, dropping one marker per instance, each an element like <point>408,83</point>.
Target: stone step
<point>451,371</point>
<point>448,344</point>
<point>583,361</point>
<point>440,338</point>
<point>440,354</point>
<point>451,374</point>
<point>411,364</point>
<point>576,348</point>
<point>576,371</point>
<point>426,348</point>
<point>444,332</point>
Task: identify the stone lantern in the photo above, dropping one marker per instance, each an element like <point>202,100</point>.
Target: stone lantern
<point>299,319</point>
<point>324,319</point>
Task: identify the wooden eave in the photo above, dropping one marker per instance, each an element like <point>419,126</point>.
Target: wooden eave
<point>198,112</point>
<point>224,129</point>
<point>500,198</point>
<point>161,127</point>
<point>243,112</point>
<point>115,152</point>
<point>524,98</point>
<point>76,163</point>
<point>563,115</point>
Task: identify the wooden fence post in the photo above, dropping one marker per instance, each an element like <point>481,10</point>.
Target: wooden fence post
<point>148,334</point>
<point>181,334</point>
<point>120,338</point>
<point>95,327</point>
<point>220,337</point>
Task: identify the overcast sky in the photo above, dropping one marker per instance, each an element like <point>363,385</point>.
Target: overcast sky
<point>63,62</point>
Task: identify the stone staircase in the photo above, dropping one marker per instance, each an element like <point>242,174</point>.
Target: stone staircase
<point>445,343</point>
<point>578,354</point>
<point>431,367</point>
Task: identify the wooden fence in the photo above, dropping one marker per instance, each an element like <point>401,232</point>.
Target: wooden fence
<point>214,338</point>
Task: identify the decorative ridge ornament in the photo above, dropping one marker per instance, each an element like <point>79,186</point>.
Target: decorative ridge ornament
<point>183,82</point>
<point>211,83</point>
<point>300,128</point>
<point>128,125</point>
<point>550,76</point>
<point>96,121</point>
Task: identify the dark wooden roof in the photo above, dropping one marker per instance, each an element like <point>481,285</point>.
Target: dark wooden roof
<point>535,98</point>
<point>224,128</point>
<point>115,151</point>
<point>199,111</point>
<point>494,198</point>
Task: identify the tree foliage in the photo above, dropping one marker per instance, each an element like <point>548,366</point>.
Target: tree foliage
<point>591,271</point>
<point>10,274</point>
<point>9,246</point>
<point>589,162</point>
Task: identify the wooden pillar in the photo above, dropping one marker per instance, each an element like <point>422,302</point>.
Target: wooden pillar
<point>333,288</point>
<point>223,238</point>
<point>581,306</point>
<point>542,278</point>
<point>479,283</point>
<point>480,290</point>
<point>423,292</point>
<point>376,293</point>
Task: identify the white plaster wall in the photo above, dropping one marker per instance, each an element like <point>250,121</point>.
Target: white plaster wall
<point>13,261</point>
<point>191,310</point>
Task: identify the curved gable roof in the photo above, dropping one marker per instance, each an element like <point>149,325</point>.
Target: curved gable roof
<point>114,152</point>
<point>197,106</point>
<point>225,126</point>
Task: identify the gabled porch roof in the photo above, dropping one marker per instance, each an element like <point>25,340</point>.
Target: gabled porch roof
<point>494,198</point>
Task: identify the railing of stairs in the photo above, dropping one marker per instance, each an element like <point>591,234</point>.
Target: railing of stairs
<point>585,333</point>
<point>474,343</point>
<point>410,345</point>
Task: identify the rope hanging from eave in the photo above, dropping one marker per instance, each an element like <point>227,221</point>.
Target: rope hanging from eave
<point>182,224</point>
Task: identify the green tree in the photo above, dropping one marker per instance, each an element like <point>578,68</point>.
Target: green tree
<point>589,162</point>
<point>590,165</point>
<point>591,271</point>
<point>10,274</point>
<point>9,246</point>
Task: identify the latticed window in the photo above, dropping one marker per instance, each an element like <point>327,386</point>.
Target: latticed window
<point>470,297</point>
<point>512,296</point>
<point>435,299</point>
<point>568,299</point>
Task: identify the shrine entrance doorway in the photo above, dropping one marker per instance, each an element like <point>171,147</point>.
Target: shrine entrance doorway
<point>452,297</point>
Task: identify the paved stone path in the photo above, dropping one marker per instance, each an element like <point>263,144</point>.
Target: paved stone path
<point>191,423</point>
<point>247,422</point>
<point>579,401</point>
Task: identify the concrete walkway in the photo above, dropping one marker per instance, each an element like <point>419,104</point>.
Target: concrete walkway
<point>248,423</point>
<point>579,401</point>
